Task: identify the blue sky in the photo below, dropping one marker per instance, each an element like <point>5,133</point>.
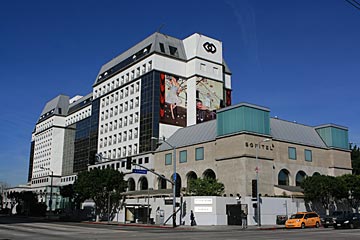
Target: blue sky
<point>301,59</point>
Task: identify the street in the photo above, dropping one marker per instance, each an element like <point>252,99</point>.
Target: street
<point>16,229</point>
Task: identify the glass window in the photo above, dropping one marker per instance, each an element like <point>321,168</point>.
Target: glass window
<point>162,48</point>
<point>199,153</point>
<point>168,159</point>
<point>173,51</point>
<point>300,176</point>
<point>308,155</point>
<point>283,177</point>
<point>183,156</point>
<point>292,153</point>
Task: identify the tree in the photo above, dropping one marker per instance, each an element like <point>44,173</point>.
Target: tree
<point>26,203</point>
<point>323,189</point>
<point>100,186</point>
<point>3,186</point>
<point>355,159</point>
<point>352,188</point>
<point>14,199</point>
<point>206,187</point>
<point>68,191</point>
<point>27,199</point>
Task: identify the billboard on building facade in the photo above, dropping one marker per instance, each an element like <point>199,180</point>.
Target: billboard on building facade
<point>209,98</point>
<point>173,99</point>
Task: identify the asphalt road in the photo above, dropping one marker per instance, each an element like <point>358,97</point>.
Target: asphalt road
<point>20,229</point>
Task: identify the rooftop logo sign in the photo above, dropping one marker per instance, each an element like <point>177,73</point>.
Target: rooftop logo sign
<point>209,47</point>
<point>262,146</point>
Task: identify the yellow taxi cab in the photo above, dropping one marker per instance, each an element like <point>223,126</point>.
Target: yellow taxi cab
<point>303,219</point>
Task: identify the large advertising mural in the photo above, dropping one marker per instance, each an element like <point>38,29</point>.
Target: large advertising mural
<point>173,99</point>
<point>209,98</point>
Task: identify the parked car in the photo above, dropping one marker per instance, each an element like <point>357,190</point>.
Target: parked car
<point>349,220</point>
<point>303,219</point>
<point>328,220</point>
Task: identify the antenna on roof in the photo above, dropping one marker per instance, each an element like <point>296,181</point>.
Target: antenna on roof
<point>160,27</point>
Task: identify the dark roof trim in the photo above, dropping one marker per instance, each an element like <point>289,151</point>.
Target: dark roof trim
<point>298,143</point>
<point>244,132</point>
<point>332,125</point>
<point>168,148</point>
<point>244,104</point>
<point>243,156</point>
<point>290,188</point>
<point>342,168</point>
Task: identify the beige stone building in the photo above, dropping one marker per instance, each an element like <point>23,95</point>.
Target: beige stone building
<point>243,139</point>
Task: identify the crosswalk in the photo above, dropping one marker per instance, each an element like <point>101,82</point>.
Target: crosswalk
<point>50,231</point>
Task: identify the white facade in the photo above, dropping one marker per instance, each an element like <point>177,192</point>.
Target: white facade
<point>119,122</point>
<point>210,210</point>
<point>48,138</point>
<point>48,152</point>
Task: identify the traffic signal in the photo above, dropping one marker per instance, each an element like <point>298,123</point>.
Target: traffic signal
<point>177,191</point>
<point>98,157</point>
<point>254,188</point>
<point>128,163</point>
<point>92,158</point>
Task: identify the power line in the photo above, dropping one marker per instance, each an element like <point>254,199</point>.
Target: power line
<point>356,4</point>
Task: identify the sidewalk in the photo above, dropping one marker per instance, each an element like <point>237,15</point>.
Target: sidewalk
<point>168,226</point>
<point>198,228</point>
<point>236,227</point>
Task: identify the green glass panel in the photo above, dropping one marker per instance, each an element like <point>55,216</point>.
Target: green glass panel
<point>168,159</point>
<point>183,156</point>
<point>243,118</point>
<point>308,155</point>
<point>292,153</point>
<point>340,138</point>
<point>199,153</point>
<point>334,137</point>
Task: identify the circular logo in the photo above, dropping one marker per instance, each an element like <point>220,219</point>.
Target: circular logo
<point>209,47</point>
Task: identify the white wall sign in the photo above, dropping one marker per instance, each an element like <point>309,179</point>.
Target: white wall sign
<point>203,201</point>
<point>203,209</point>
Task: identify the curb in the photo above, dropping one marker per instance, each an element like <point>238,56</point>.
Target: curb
<point>138,225</point>
<point>270,228</point>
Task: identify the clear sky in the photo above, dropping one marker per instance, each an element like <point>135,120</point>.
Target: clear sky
<point>301,59</point>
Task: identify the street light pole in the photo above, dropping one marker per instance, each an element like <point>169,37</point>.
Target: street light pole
<point>109,207</point>
<point>148,207</point>
<point>174,188</point>
<point>257,182</point>
<point>51,191</point>
<point>174,180</point>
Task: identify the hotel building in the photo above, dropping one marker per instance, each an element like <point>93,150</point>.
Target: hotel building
<point>156,87</point>
<point>180,90</point>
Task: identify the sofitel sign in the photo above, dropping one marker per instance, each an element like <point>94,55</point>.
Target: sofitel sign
<point>209,47</point>
<point>262,146</point>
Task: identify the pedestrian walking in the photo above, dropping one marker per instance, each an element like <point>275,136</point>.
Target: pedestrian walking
<point>192,219</point>
<point>243,219</point>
